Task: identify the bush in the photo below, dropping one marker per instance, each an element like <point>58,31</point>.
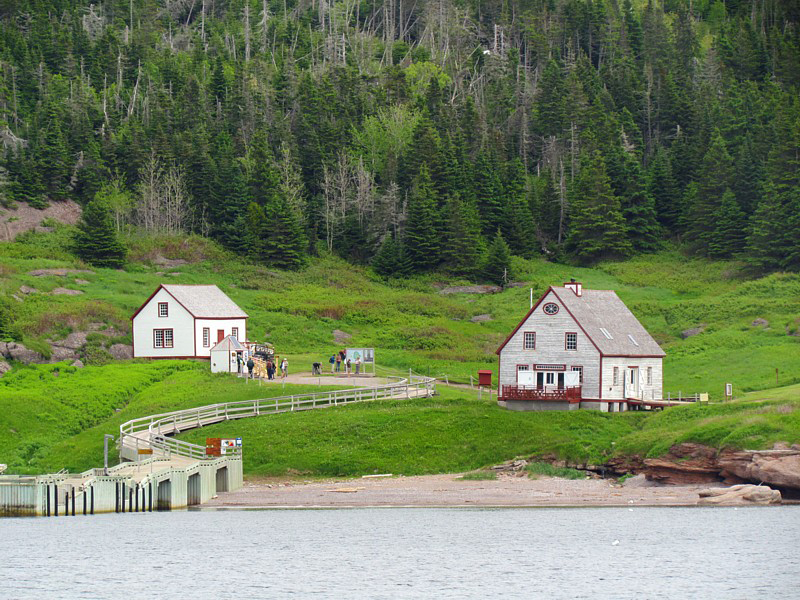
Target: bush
<point>536,469</point>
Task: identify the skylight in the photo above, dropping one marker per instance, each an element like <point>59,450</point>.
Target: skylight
<point>630,337</point>
<point>605,333</point>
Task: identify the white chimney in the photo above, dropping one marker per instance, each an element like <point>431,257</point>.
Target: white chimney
<point>575,286</point>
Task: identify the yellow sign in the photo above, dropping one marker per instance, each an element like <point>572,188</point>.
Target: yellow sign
<point>145,450</point>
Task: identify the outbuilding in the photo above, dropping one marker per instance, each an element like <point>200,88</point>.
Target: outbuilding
<point>579,348</point>
<point>185,321</point>
<point>228,356</point>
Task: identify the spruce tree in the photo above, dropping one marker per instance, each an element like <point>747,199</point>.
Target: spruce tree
<point>638,209</point>
<point>488,192</point>
<point>596,229</point>
<point>518,227</point>
<point>728,235</point>
<point>389,260</point>
<point>716,176</point>
<point>767,242</point>
<point>422,226</point>
<point>280,239</point>
<point>95,240</point>
<point>463,245</point>
<point>665,192</point>
<point>497,267</point>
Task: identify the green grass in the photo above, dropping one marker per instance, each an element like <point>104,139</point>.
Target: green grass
<point>479,476</point>
<point>538,469</point>
<point>52,421</point>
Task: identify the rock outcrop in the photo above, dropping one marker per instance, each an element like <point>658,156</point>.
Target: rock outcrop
<point>471,289</point>
<point>738,495</point>
<point>687,333</point>
<point>340,337</point>
<point>778,467</point>
<point>4,367</point>
<point>121,351</point>
<point>18,352</point>
<point>481,318</point>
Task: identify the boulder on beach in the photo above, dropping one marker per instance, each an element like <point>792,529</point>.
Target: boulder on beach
<point>737,495</point>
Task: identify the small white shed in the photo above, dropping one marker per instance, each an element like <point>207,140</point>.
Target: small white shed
<point>224,356</point>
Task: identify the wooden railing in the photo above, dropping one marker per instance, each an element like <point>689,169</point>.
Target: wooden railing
<point>154,431</point>
<point>524,392</point>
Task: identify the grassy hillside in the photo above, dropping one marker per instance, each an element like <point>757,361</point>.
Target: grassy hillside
<point>457,432</point>
<point>54,416</point>
<point>411,325</point>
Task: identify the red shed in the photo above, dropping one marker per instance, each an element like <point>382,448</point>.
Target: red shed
<point>485,378</point>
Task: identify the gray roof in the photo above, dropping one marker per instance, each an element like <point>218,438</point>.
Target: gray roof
<point>598,310</point>
<point>227,344</point>
<point>205,301</point>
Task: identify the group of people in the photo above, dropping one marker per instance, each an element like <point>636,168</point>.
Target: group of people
<point>340,359</point>
<point>272,367</point>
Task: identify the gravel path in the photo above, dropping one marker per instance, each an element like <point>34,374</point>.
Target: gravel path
<point>449,490</point>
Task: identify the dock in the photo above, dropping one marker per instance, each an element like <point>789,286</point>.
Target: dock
<point>176,474</point>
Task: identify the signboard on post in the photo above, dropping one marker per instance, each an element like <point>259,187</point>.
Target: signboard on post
<point>213,447</point>
<point>365,355</point>
<point>728,391</point>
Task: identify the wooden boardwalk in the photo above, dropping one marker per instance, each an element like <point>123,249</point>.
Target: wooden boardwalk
<point>176,474</point>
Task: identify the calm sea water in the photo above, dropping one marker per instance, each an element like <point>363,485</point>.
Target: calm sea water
<point>550,553</point>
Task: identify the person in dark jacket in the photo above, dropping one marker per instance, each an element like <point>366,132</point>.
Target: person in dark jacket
<point>250,366</point>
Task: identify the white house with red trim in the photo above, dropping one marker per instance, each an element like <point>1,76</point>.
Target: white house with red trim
<point>579,348</point>
<point>185,321</point>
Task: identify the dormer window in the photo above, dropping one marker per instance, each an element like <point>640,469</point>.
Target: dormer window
<point>163,309</point>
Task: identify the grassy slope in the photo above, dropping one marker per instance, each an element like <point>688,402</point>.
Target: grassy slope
<point>410,326</point>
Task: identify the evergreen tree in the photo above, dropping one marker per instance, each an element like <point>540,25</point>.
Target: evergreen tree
<point>497,267</point>
<point>638,209</point>
<point>518,227</point>
<point>551,105</point>
<point>422,227</point>
<point>95,240</point>
<point>716,177</point>
<point>597,229</point>
<point>464,247</point>
<point>390,260</point>
<point>53,157</point>
<point>488,192</point>
<point>664,190</point>
<point>728,235</point>
<point>275,235</point>
<point>768,242</point>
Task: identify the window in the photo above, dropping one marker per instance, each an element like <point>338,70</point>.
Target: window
<point>616,375</point>
<point>529,342</point>
<point>550,308</point>
<point>649,375</point>
<point>605,332</point>
<point>235,332</point>
<point>206,337</point>
<point>632,376</point>
<point>522,369</point>
<point>580,373</point>
<point>162,338</point>
<point>571,341</point>
<point>550,378</point>
<point>163,309</point>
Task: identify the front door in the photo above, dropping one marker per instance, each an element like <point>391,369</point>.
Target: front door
<point>632,383</point>
<point>220,335</point>
<point>540,380</point>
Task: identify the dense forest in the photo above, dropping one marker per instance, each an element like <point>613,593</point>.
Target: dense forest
<point>413,135</point>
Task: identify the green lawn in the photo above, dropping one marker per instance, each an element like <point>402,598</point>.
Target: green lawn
<point>49,421</point>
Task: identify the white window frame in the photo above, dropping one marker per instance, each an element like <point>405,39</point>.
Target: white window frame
<point>206,337</point>
<point>165,306</point>
<point>649,375</point>
<point>549,377</point>
<point>235,333</point>
<point>616,376</point>
<point>580,377</point>
<point>567,341</point>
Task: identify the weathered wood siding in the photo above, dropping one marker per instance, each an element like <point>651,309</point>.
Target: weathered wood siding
<point>647,391</point>
<point>179,320</point>
<point>550,348</point>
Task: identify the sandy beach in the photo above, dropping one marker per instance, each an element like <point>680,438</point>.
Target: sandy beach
<point>507,490</point>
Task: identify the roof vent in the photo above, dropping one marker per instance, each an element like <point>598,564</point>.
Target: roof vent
<point>575,286</point>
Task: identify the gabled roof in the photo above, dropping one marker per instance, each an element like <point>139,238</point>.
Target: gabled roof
<point>227,344</point>
<point>201,301</point>
<point>606,321</point>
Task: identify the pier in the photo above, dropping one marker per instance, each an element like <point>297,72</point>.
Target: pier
<point>176,474</point>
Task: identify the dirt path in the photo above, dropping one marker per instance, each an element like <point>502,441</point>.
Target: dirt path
<point>449,490</point>
<point>327,379</point>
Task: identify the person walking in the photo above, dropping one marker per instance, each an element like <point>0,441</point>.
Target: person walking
<point>284,368</point>
<point>358,365</point>
<point>239,363</point>
<point>250,366</point>
<point>270,370</point>
<point>332,360</point>
<point>338,363</point>
<point>348,366</point>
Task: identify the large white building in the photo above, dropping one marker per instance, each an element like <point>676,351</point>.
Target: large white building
<point>185,321</point>
<point>579,348</point>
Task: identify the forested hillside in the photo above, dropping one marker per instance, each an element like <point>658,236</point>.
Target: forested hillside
<point>414,135</point>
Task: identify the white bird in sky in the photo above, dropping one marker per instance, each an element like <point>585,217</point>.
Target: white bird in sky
<point>615,543</point>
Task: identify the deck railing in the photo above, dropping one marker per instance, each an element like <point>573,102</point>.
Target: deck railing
<point>154,431</point>
<point>526,392</point>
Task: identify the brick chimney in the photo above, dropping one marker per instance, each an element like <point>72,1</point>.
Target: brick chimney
<point>575,286</point>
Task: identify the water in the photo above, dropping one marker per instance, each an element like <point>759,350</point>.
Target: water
<point>407,553</point>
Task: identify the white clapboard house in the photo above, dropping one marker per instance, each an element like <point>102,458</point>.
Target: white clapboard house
<point>185,321</point>
<point>579,348</point>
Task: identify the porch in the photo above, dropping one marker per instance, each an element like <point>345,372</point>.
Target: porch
<point>532,393</point>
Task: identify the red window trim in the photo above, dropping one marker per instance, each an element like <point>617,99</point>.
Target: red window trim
<point>517,370</point>
<point>164,338</point>
<point>206,337</point>
<point>160,304</point>
<point>524,333</point>
<point>575,333</point>
<point>578,367</point>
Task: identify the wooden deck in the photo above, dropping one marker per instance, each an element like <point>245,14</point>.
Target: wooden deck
<point>536,394</point>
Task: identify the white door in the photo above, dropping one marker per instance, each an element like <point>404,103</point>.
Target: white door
<point>632,389</point>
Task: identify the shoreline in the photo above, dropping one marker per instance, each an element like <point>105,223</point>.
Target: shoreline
<point>450,491</point>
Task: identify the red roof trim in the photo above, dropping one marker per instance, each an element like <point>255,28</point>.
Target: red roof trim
<point>146,302</point>
<point>160,287</point>
<point>525,318</point>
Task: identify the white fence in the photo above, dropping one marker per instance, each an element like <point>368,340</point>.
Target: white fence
<point>153,431</point>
